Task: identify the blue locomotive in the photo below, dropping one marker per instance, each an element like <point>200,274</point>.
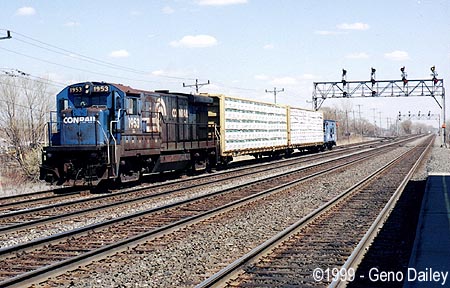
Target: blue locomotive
<point>109,131</point>
<point>102,131</point>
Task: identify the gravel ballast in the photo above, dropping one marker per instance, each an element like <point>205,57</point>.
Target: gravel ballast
<point>187,257</point>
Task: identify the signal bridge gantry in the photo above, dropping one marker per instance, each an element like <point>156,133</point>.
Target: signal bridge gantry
<point>419,116</point>
<point>377,88</point>
<point>373,88</point>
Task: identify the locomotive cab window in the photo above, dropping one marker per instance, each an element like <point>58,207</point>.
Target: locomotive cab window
<point>64,104</point>
<point>88,101</point>
<point>132,106</point>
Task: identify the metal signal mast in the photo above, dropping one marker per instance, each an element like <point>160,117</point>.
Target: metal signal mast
<point>372,88</point>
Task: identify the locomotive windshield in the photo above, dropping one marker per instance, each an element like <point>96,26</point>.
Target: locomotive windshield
<point>90,100</point>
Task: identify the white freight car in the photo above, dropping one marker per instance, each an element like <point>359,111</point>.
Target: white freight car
<point>249,127</point>
<point>305,128</point>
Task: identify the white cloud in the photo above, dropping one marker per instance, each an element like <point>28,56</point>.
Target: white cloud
<point>269,46</point>
<point>158,73</point>
<point>353,26</point>
<point>196,41</point>
<point>26,11</point>
<point>397,55</point>
<point>174,73</point>
<point>72,24</point>
<point>167,10</point>
<point>358,55</point>
<point>119,54</point>
<point>261,77</point>
<point>307,77</point>
<point>284,81</point>
<point>220,2</point>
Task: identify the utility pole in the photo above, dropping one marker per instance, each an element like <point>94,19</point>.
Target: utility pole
<point>275,91</point>
<point>360,121</point>
<point>8,35</point>
<point>374,122</point>
<point>197,85</point>
<point>381,127</point>
<point>348,133</point>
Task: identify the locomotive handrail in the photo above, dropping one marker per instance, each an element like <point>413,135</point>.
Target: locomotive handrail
<point>115,140</point>
<point>46,132</point>
<point>115,144</point>
<point>106,138</point>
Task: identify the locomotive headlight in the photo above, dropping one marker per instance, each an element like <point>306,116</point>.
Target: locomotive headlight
<point>49,155</point>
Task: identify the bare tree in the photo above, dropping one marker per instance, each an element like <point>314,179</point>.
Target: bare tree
<point>24,106</point>
<point>406,126</point>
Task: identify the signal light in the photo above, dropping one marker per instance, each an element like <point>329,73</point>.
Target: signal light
<point>344,77</point>
<point>404,76</point>
<point>372,76</point>
<point>434,74</point>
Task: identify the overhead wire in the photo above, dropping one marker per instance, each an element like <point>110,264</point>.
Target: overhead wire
<point>88,59</point>
<point>73,68</point>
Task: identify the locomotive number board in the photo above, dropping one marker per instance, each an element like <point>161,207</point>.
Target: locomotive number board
<point>87,89</point>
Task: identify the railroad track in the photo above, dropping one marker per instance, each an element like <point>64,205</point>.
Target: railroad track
<point>20,201</point>
<point>59,195</point>
<point>31,217</point>
<point>328,241</point>
<point>41,257</point>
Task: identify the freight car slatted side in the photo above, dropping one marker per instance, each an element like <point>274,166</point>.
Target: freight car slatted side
<point>306,127</point>
<point>251,125</point>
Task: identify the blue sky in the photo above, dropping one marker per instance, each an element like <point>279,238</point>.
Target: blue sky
<point>242,46</point>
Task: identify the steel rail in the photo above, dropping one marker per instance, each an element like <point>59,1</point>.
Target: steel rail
<point>16,227</point>
<point>54,193</point>
<point>135,189</point>
<point>67,191</point>
<point>231,270</point>
<point>358,254</point>
<point>160,208</point>
<point>46,271</point>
